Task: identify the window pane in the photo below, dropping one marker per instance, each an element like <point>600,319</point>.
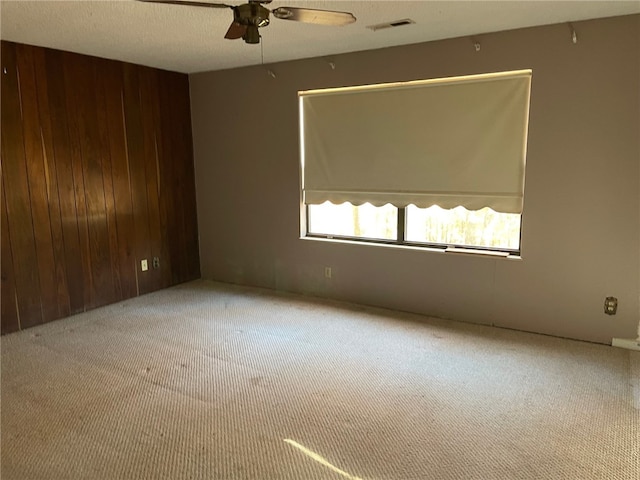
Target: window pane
<point>365,221</point>
<point>459,226</point>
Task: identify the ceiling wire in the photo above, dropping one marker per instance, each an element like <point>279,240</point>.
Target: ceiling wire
<point>270,72</point>
<point>261,51</point>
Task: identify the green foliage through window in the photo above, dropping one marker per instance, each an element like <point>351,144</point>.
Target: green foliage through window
<point>431,226</point>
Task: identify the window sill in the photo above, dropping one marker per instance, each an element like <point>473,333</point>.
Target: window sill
<point>441,251</point>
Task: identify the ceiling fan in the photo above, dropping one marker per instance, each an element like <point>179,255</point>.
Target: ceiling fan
<point>248,17</point>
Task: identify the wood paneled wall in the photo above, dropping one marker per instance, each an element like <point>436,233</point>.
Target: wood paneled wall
<point>97,175</point>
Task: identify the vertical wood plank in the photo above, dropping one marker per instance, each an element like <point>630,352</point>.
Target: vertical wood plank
<point>165,170</point>
<point>107,205</point>
<point>148,102</point>
<point>112,83</point>
<point>101,66</point>
<point>170,179</point>
<point>137,175</point>
<point>62,153</point>
<point>18,202</point>
<point>9,312</point>
<point>191,245</point>
<point>74,77</point>
<point>182,211</point>
<point>53,197</point>
<point>153,100</point>
<point>179,185</point>
<point>39,191</point>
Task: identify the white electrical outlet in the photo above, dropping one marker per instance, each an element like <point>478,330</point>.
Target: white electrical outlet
<point>144,265</point>
<point>610,305</point>
<point>327,272</point>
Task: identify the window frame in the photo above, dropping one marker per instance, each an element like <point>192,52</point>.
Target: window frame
<point>400,240</point>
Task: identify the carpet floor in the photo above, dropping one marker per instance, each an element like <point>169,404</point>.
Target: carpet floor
<point>211,381</point>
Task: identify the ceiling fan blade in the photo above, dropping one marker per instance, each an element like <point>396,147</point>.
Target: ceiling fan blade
<point>309,15</point>
<point>236,30</point>
<point>189,3</point>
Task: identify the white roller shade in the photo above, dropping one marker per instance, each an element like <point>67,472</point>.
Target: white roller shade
<point>447,142</point>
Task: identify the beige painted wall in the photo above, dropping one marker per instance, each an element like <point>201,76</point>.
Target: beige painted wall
<point>581,228</point>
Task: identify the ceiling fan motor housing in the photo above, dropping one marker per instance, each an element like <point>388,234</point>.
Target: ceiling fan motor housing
<point>251,14</point>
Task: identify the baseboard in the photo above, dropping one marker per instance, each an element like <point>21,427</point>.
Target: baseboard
<point>628,343</point>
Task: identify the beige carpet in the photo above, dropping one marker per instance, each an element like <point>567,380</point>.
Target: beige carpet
<point>209,381</point>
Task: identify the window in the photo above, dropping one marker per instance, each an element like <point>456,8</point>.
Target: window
<point>426,163</point>
<point>460,227</point>
<point>433,227</point>
<point>347,220</point>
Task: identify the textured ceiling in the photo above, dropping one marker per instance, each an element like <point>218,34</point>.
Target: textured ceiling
<point>190,39</point>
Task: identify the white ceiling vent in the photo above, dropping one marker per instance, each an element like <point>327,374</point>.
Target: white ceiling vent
<point>395,23</point>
